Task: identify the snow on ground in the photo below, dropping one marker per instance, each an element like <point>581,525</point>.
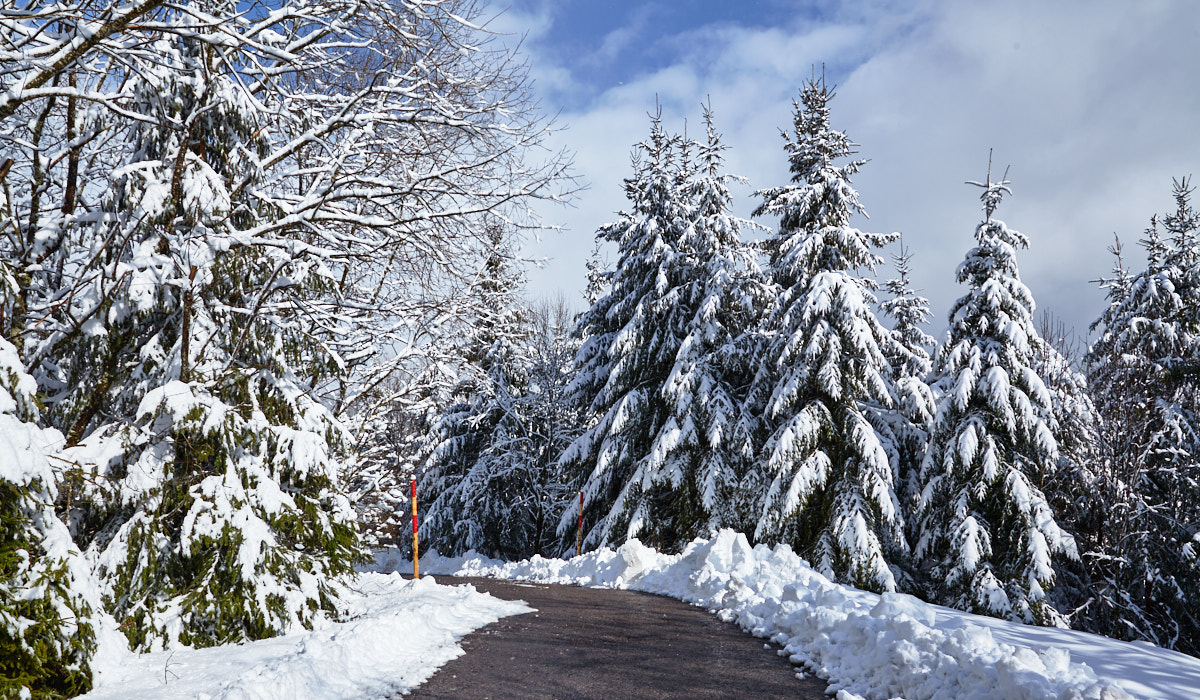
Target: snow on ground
<point>398,633</point>
<point>867,645</point>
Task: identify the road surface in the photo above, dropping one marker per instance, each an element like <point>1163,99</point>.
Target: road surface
<point>593,643</point>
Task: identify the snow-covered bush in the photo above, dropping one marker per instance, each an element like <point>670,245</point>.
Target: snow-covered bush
<point>46,626</point>
<point>224,526</point>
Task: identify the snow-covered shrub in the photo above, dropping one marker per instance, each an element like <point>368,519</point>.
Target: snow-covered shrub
<point>228,525</point>
<point>46,630</point>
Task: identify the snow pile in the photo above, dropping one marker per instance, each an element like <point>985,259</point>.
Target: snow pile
<point>874,646</point>
<point>398,633</point>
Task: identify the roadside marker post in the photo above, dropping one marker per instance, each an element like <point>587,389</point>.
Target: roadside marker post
<point>416,566</point>
<point>579,531</point>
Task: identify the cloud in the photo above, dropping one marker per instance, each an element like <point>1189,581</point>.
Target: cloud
<point>1093,104</point>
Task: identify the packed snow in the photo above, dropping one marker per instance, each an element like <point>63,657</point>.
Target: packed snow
<point>397,634</point>
<point>866,645</point>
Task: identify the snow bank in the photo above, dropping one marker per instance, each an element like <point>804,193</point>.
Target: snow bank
<point>398,634</point>
<point>874,646</point>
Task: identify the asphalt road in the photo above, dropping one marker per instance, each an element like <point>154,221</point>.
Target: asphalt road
<point>591,643</point>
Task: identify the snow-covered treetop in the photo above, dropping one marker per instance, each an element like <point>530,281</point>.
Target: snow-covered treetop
<point>1152,323</point>
<point>814,212</point>
<point>999,299</point>
<point>910,311</point>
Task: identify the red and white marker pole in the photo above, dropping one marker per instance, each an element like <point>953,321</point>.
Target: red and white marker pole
<point>416,567</point>
<point>579,532</point>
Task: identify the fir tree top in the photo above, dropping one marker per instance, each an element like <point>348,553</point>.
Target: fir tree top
<point>814,233</point>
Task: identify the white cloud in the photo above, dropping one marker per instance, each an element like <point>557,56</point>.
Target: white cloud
<point>1093,104</point>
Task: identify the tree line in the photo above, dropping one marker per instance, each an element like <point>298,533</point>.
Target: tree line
<point>772,387</point>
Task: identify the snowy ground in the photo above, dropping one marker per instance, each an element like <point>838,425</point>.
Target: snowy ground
<point>399,634</point>
<point>868,645</point>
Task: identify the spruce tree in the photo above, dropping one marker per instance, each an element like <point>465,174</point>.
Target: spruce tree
<point>824,366</point>
<point>554,422</point>
<point>631,338</point>
<point>910,359</point>
<point>489,479</point>
<point>1143,371</point>
<point>987,533</point>
<point>691,484</point>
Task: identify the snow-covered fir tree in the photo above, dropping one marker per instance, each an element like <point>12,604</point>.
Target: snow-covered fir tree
<point>689,484</point>
<point>830,488</point>
<point>654,367</point>
<point>910,359</point>
<point>47,595</point>
<point>1073,489</point>
<point>554,420</point>
<point>492,482</point>
<point>473,476</point>
<point>1142,368</point>
<point>631,336</point>
<point>696,460</point>
<point>987,534</point>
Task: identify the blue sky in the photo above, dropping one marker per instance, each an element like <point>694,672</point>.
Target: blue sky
<point>1095,104</point>
<point>606,43</point>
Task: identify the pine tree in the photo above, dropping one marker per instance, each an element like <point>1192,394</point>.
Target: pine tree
<point>987,533</point>
<point>910,360</point>
<point>1142,370</point>
<point>831,487</point>
<point>691,484</point>
<point>492,480</point>
<point>47,633</point>
<point>631,338</point>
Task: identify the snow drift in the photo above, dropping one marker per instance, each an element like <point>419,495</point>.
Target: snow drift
<point>398,633</point>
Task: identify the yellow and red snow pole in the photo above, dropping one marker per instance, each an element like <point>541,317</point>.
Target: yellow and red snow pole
<point>416,566</point>
<point>579,532</point>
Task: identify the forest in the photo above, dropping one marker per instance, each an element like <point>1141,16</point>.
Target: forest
<point>261,264</point>
<point>728,374</point>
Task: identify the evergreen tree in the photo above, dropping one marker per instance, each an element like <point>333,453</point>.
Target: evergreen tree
<point>987,533</point>
<point>690,484</point>
<point>631,338</point>
<point>699,478</point>
<point>47,632</point>
<point>1143,371</point>
<point>824,366</point>
<point>554,421</point>
<point>468,481</point>
<point>492,480</point>
<point>910,360</point>
<point>1073,486</point>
